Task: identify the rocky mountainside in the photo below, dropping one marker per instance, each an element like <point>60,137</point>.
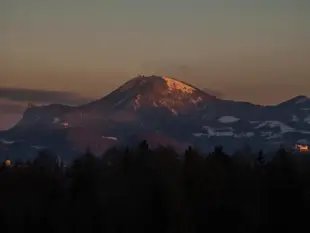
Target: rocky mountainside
<point>163,110</point>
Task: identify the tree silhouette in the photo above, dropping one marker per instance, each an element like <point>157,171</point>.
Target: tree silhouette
<point>260,158</point>
<point>158,190</point>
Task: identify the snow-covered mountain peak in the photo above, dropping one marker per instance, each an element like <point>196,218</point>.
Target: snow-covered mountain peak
<point>157,83</point>
<point>146,92</point>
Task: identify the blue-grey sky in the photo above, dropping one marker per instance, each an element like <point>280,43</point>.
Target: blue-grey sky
<point>243,48</point>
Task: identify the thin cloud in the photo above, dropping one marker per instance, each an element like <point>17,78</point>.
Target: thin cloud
<point>41,96</point>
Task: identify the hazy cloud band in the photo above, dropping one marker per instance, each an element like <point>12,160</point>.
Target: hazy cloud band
<point>41,96</point>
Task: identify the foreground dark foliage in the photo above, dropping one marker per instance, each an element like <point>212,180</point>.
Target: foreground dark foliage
<point>158,191</point>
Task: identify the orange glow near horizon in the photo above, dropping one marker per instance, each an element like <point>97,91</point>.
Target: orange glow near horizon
<point>303,148</point>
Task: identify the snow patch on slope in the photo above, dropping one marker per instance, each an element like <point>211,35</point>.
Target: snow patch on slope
<point>254,122</point>
<point>119,102</point>
<point>177,85</point>
<point>228,119</point>
<point>295,118</point>
<point>199,99</point>
<point>268,135</point>
<point>137,102</point>
<point>245,135</point>
<point>7,142</point>
<point>273,124</point>
<point>223,132</point>
<point>110,138</point>
<point>174,112</point>
<point>56,120</point>
<point>228,131</point>
<point>39,147</point>
<point>283,129</point>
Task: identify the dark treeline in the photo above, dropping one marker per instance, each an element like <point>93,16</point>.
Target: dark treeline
<point>141,190</point>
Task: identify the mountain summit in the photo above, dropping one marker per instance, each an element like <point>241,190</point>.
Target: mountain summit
<point>154,91</point>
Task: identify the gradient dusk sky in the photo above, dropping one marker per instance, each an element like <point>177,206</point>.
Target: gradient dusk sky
<point>253,50</point>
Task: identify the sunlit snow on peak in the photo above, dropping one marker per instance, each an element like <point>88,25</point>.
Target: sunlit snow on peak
<point>177,85</point>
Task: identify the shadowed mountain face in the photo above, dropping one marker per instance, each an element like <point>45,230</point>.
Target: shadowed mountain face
<point>163,110</point>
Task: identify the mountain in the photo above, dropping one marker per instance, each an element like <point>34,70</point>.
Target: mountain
<point>153,91</point>
<point>163,110</point>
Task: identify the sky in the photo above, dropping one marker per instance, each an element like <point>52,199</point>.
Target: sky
<point>78,50</point>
